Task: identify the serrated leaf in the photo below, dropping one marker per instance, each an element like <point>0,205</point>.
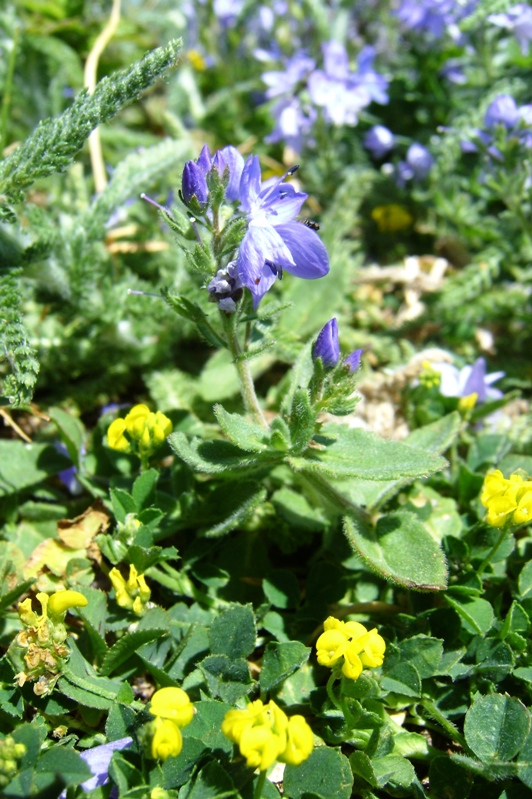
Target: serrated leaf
<point>399,549</point>
<point>233,632</point>
<point>126,647</point>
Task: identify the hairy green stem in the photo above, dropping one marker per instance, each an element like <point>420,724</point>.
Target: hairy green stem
<point>449,728</point>
<point>247,387</point>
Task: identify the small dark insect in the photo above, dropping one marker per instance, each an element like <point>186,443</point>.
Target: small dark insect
<point>310,223</point>
<point>276,269</point>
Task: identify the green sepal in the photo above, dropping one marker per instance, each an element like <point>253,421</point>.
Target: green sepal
<point>302,421</point>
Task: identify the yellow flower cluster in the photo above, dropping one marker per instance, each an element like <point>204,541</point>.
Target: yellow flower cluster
<point>132,593</point>
<point>173,710</point>
<point>507,499</point>
<point>391,218</point>
<point>10,754</point>
<point>141,432</point>
<point>264,734</point>
<point>351,642</point>
<point>38,653</point>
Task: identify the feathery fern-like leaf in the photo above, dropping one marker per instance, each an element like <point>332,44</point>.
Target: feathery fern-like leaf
<point>19,384</point>
<point>55,142</point>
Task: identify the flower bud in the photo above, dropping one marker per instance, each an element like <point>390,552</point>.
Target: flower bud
<point>61,601</point>
<point>194,184</point>
<point>167,740</point>
<point>327,346</point>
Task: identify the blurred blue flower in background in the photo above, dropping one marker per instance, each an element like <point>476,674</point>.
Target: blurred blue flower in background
<point>468,380</point>
<point>518,20</point>
<point>379,141</point>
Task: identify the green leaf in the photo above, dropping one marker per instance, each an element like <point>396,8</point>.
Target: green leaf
<point>207,725</point>
<point>71,431</point>
<point>123,503</point>
<point>55,142</point>
<point>235,506</point>
<point>120,722</point>
<point>424,653</point>
<point>326,772</point>
<point>245,434</point>
<point>342,452</point>
<point>66,763</point>
<point>281,588</point>
<point>476,613</point>
<point>496,727</point>
<point>143,490</point>
<point>449,779</point>
<point>435,438</point>
<point>399,549</point>
<point>226,677</point>
<point>217,457</point>
<point>213,782</point>
<point>24,465</point>
<point>233,632</point>
<point>525,581</point>
<point>524,762</point>
<point>177,770</point>
<point>280,661</point>
<point>402,678</point>
<point>126,647</point>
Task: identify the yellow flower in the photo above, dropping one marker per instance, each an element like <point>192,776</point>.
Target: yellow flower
<point>391,218</point>
<point>331,646</point>
<point>141,431</point>
<point>300,741</point>
<point>265,734</point>
<point>351,642</point>
<point>61,601</point>
<point>466,404</point>
<point>133,593</point>
<point>174,704</point>
<point>167,739</point>
<point>508,500</point>
<point>116,438</point>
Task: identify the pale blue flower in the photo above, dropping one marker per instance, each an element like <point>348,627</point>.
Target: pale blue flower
<point>273,241</point>
<point>379,141</point>
<point>518,20</point>
<point>468,380</point>
<point>98,760</point>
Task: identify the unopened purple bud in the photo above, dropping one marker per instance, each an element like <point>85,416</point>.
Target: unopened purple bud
<point>502,111</point>
<point>204,160</point>
<point>194,184</point>
<point>419,160</point>
<point>353,360</point>
<point>379,141</point>
<point>327,346</point>
<point>218,163</point>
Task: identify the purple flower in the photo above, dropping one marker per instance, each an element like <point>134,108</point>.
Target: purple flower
<point>417,165</point>
<point>98,759</point>
<point>293,124</point>
<point>341,92</point>
<point>327,347</point>
<point>518,19</point>
<point>502,111</point>
<point>435,17</point>
<point>419,160</point>
<point>379,141</point>
<point>469,380</point>
<point>274,241</point>
<point>285,81</point>
<point>194,182</point>
<point>353,360</point>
